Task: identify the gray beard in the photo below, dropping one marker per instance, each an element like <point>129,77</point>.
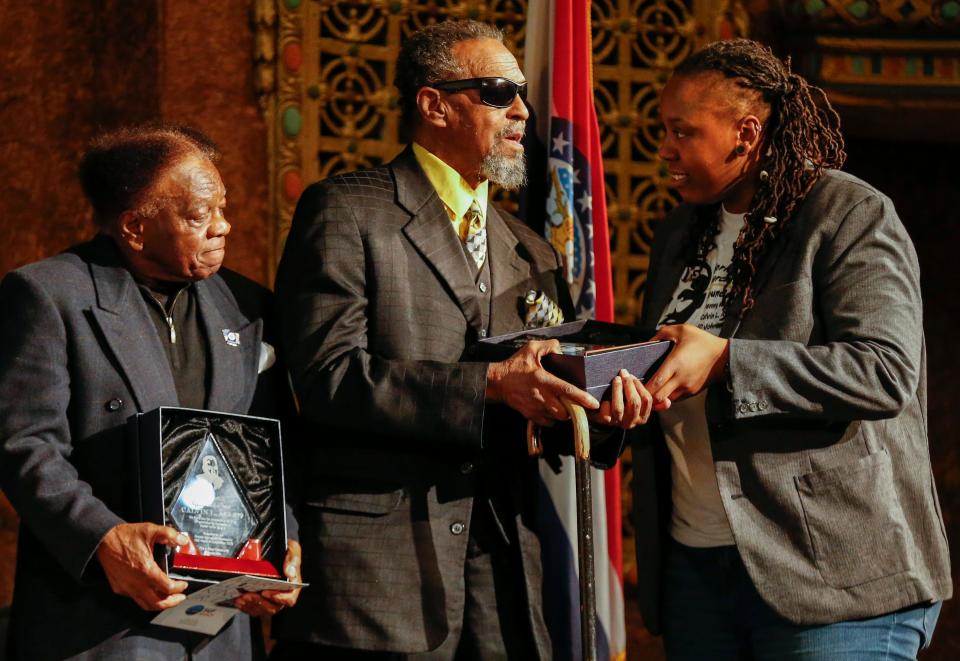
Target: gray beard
<point>508,172</point>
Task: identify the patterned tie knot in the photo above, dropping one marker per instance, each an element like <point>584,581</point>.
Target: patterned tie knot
<point>476,234</point>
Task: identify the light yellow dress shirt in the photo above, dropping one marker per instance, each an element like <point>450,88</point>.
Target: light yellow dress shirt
<point>453,190</point>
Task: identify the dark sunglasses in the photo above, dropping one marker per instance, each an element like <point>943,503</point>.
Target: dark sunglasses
<point>497,92</point>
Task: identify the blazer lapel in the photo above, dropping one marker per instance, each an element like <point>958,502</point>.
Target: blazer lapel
<point>233,345</point>
<point>667,272</point>
<point>508,269</point>
<point>124,320</point>
<point>430,231</point>
<point>731,323</point>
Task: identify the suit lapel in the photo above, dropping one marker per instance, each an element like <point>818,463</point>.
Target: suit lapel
<point>233,345</point>
<point>131,336</point>
<point>507,270</point>
<point>660,287</point>
<point>668,270</point>
<point>731,323</point>
<point>430,231</point>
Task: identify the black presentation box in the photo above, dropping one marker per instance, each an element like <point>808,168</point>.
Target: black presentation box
<point>593,352</point>
<point>217,477</point>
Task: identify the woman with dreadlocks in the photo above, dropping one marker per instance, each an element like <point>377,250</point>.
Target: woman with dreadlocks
<point>784,504</point>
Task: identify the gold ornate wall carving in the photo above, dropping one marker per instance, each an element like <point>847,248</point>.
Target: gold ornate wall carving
<point>324,70</point>
<point>325,67</point>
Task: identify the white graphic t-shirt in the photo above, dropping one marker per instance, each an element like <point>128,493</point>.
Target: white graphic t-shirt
<point>698,518</point>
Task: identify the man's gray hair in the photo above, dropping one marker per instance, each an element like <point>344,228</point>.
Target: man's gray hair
<point>426,57</point>
<point>121,166</point>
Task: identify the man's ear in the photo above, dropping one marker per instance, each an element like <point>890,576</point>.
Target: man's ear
<point>432,109</point>
<point>749,133</point>
<point>130,229</point>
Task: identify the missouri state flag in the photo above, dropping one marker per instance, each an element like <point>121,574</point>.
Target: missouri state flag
<point>569,200</point>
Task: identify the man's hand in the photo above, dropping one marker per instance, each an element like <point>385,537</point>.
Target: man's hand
<point>126,555</point>
<point>696,361</point>
<point>521,383</point>
<point>630,404</point>
<point>270,602</point>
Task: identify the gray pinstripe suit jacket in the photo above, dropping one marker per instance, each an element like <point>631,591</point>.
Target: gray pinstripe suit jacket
<point>820,438</point>
<point>378,305</point>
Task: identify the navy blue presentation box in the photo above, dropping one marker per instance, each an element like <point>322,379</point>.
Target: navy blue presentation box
<point>593,352</point>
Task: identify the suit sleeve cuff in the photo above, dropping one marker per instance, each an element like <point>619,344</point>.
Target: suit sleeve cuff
<point>80,560</point>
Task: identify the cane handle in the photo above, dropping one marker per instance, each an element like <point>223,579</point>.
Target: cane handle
<point>581,432</point>
<point>534,446</point>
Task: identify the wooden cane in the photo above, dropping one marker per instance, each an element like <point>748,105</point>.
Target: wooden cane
<point>581,452</point>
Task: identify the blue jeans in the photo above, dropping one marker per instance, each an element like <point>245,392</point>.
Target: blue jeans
<point>712,611</point>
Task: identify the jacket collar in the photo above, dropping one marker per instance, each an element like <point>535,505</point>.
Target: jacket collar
<point>432,234</point>
<point>125,323</point>
<point>666,273</point>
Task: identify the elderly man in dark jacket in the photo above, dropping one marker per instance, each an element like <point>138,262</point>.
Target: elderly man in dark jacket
<point>137,318</point>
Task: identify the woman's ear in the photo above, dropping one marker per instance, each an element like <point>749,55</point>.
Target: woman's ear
<point>749,134</point>
<point>432,109</point>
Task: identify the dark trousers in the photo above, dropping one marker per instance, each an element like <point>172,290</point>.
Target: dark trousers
<point>495,621</point>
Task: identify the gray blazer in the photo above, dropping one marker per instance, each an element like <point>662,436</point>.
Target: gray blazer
<point>820,436</point>
<point>79,355</point>
<point>378,307</point>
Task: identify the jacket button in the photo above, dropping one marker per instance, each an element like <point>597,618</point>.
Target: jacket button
<point>457,528</point>
<point>753,407</point>
<point>466,468</point>
<point>742,408</point>
<point>482,334</point>
<point>115,404</point>
<point>483,287</point>
<point>762,405</point>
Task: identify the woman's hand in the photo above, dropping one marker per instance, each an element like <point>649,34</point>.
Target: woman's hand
<point>697,360</point>
<point>629,405</point>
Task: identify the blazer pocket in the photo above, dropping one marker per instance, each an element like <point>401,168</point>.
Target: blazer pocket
<point>854,521</point>
<point>376,501</point>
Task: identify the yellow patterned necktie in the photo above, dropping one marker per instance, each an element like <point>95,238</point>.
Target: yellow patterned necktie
<point>474,234</point>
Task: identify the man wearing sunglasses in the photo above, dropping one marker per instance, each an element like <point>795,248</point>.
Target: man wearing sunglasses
<point>419,495</point>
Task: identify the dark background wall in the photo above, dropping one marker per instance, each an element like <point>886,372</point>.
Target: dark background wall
<point>70,67</point>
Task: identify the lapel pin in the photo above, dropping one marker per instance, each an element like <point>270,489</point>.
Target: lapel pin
<point>231,337</point>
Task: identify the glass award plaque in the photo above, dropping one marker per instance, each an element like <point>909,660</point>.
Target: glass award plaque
<point>211,507</point>
<point>218,478</point>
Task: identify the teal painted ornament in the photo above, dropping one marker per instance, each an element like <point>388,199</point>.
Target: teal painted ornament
<point>950,10</point>
<point>860,8</point>
<point>292,121</point>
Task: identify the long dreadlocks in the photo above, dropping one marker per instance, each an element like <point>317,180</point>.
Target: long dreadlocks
<point>802,139</point>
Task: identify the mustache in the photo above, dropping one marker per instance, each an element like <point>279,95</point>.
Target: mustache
<point>512,127</point>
